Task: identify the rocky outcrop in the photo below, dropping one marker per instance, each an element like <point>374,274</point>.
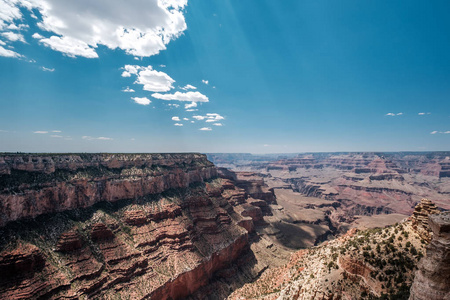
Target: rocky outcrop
<point>32,185</point>
<point>420,218</point>
<point>432,280</point>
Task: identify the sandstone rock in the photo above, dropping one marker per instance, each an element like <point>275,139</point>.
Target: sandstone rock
<point>420,218</point>
<point>432,279</point>
<point>69,241</point>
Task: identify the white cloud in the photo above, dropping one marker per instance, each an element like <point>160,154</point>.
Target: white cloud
<point>69,46</point>
<point>399,114</point>
<point>199,118</point>
<point>206,129</point>
<point>152,80</point>
<point>57,131</point>
<point>140,28</point>
<point>90,138</point>
<point>205,81</point>
<point>393,114</point>
<point>422,113</point>
<point>190,105</point>
<point>174,105</point>
<point>188,87</point>
<point>141,100</point>
<point>40,132</point>
<point>178,96</point>
<point>191,109</point>
<point>218,124</point>
<point>192,121</point>
<point>56,136</point>
<point>48,69</point>
<point>178,124</point>
<point>13,37</point>
<point>128,90</point>
<point>37,36</point>
<point>162,66</point>
<point>440,132</point>
<point>175,118</point>
<point>186,119</point>
<point>9,53</point>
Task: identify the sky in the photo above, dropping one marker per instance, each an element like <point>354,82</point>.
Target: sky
<point>257,76</point>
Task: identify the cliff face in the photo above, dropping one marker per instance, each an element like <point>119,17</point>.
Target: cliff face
<point>31,185</point>
<point>432,280</point>
<point>111,226</point>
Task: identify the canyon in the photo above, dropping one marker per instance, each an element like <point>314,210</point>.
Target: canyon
<point>216,226</point>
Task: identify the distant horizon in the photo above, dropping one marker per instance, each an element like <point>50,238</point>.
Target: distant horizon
<point>196,152</point>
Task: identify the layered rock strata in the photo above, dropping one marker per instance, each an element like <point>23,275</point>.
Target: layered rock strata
<point>432,280</point>
<point>31,185</point>
<point>420,218</point>
<point>115,226</point>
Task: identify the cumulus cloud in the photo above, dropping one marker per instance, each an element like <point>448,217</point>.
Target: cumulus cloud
<point>174,105</point>
<point>48,69</point>
<point>141,100</point>
<point>206,129</point>
<point>9,53</point>
<point>178,124</point>
<point>13,37</point>
<point>175,118</point>
<point>152,80</point>
<point>210,117</point>
<point>40,132</point>
<point>190,105</point>
<point>205,81</point>
<point>69,46</point>
<point>191,109</point>
<point>188,87</point>
<point>140,28</point>
<point>128,90</point>
<point>393,114</point>
<point>422,113</point>
<point>37,36</point>
<point>102,138</point>
<point>218,124</point>
<point>179,96</point>
<point>186,119</point>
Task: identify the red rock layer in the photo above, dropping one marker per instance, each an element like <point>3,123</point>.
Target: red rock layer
<point>157,249</point>
<point>32,185</point>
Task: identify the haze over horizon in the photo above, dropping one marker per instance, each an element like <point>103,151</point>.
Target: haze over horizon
<point>228,77</point>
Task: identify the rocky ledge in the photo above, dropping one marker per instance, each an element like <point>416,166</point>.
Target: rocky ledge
<point>432,280</point>
<point>33,184</point>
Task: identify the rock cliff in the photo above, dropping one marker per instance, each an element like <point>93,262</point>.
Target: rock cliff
<point>432,280</point>
<point>32,185</point>
<point>135,226</point>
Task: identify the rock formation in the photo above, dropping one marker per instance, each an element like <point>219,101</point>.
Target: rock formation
<point>432,280</point>
<point>420,218</point>
<point>32,185</point>
<point>135,226</point>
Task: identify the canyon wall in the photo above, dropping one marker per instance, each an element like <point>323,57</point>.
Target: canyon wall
<point>432,280</point>
<point>138,226</point>
<point>31,185</point>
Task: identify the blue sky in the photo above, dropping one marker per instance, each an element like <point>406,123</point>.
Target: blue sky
<point>224,76</point>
